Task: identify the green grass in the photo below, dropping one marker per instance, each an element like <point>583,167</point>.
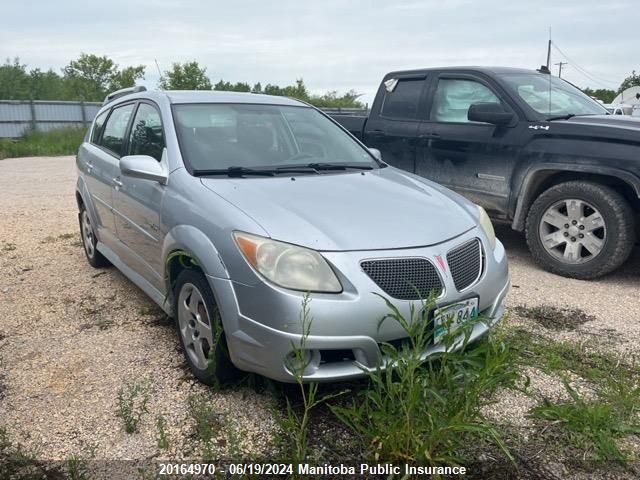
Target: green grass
<point>428,412</point>
<point>594,427</point>
<point>132,404</point>
<point>559,357</point>
<point>64,141</point>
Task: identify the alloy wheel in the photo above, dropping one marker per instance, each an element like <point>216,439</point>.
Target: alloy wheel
<point>573,231</point>
<point>194,322</point>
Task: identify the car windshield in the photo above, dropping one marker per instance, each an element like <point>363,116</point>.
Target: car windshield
<point>551,95</point>
<point>250,139</point>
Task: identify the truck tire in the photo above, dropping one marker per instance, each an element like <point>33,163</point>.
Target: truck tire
<point>200,330</point>
<point>580,229</point>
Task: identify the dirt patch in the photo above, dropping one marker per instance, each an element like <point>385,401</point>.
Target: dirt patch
<point>555,318</point>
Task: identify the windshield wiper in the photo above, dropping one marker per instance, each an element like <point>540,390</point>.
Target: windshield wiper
<point>329,166</point>
<point>246,171</point>
<point>233,172</point>
<point>561,117</point>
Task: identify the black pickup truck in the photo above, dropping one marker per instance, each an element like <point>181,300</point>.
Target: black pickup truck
<point>530,148</point>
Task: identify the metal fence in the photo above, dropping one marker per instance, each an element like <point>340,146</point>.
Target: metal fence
<point>19,116</point>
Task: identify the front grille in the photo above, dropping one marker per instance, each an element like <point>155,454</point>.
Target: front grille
<point>465,264</point>
<point>404,278</point>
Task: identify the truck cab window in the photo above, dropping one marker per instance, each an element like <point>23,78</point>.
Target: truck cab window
<point>403,101</point>
<point>453,98</point>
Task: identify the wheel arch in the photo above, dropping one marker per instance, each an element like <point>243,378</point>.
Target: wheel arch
<point>186,247</point>
<point>539,179</point>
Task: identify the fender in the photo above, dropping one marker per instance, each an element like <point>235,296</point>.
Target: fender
<point>526,191</point>
<point>199,245</point>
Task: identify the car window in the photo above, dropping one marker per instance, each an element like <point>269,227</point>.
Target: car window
<point>551,95</point>
<point>147,137</point>
<point>453,98</point>
<point>218,136</point>
<point>403,99</point>
<point>97,126</point>
<point>115,128</point>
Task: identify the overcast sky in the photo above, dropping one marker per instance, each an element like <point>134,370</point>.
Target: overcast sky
<point>333,45</point>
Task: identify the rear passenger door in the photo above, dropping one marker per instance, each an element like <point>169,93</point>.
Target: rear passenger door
<point>137,202</point>
<point>392,126</point>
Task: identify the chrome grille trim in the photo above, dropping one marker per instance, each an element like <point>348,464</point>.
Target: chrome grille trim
<point>406,278</point>
<point>466,264</point>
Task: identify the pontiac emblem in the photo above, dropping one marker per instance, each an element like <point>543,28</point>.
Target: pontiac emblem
<point>443,265</point>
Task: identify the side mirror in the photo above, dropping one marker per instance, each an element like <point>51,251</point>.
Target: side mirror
<point>376,153</point>
<point>489,113</point>
<point>144,167</point>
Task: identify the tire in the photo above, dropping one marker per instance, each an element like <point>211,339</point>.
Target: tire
<point>588,229</point>
<point>89,241</point>
<point>197,321</point>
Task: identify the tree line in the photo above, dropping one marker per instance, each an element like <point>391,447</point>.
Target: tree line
<point>91,77</point>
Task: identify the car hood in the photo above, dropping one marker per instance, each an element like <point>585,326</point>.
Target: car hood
<point>613,121</point>
<point>382,209</point>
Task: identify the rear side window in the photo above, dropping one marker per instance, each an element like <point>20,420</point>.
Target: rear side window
<point>97,126</point>
<point>115,128</point>
<point>403,100</point>
<point>146,133</point>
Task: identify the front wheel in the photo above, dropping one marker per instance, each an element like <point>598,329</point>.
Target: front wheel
<point>580,229</point>
<point>200,329</point>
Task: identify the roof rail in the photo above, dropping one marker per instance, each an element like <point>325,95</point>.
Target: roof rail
<point>122,92</point>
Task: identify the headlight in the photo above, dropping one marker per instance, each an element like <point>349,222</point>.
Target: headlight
<point>288,265</point>
<point>487,226</point>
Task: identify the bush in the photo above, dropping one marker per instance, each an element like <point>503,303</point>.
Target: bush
<point>63,141</point>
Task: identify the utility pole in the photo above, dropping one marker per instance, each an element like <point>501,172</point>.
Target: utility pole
<point>560,64</point>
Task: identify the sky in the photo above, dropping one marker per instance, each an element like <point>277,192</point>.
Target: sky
<point>331,44</point>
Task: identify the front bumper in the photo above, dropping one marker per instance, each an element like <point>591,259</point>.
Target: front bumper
<point>262,322</point>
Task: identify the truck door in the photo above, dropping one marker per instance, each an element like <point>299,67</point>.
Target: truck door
<point>392,126</point>
<point>475,159</point>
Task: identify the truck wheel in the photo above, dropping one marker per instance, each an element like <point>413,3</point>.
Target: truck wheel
<point>89,241</point>
<point>200,330</point>
<point>580,229</point>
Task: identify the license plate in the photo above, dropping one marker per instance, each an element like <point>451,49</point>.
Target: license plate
<point>451,317</point>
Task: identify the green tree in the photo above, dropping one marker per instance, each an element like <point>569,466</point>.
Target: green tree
<point>631,81</point>
<point>603,94</point>
<point>126,77</point>
<point>185,76</point>
<point>14,80</point>
<point>91,77</point>
<point>88,77</point>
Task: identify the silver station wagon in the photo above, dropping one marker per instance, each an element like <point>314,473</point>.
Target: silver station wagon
<point>230,209</point>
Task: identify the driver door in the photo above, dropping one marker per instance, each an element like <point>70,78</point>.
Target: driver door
<point>472,158</point>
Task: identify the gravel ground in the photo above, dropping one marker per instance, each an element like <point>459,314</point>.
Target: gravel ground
<point>71,336</point>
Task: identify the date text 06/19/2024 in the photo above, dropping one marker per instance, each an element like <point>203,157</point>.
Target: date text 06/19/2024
<point>285,469</point>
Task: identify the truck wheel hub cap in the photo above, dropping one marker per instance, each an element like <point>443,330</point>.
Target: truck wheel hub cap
<point>573,231</point>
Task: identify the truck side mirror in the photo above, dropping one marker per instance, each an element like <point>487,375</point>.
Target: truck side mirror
<point>489,112</point>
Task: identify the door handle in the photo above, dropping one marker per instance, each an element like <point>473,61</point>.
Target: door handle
<point>117,183</point>
<point>429,136</point>
<point>89,166</point>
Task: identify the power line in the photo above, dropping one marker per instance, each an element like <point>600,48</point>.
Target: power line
<point>593,78</point>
